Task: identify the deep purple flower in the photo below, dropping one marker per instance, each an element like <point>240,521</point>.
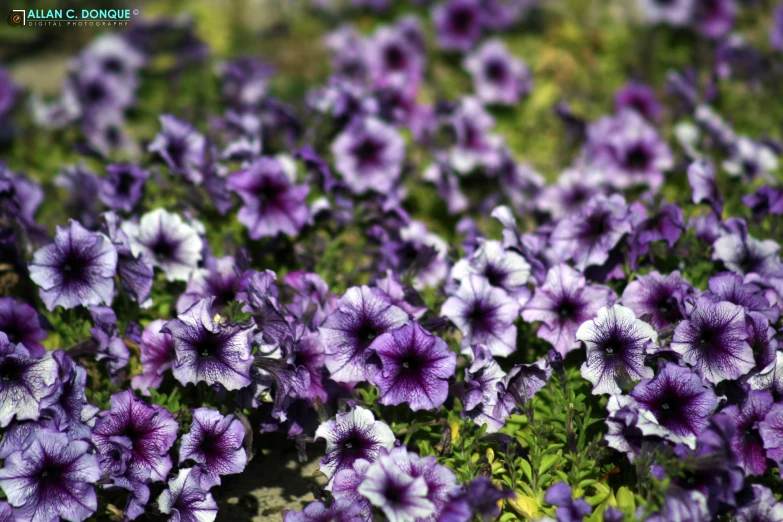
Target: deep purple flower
<point>157,357</point>
<point>351,436</point>
<point>83,187</point>
<point>503,268</point>
<point>562,304</point>
<point>666,225</point>
<point>480,397</point>
<point>164,238</point>
<point>498,76</point>
<point>714,18</point>
<point>714,341</point>
<point>568,508</point>
<point>215,444</point>
<point>747,442</point>
<point>340,511</point>
<point>623,431</point>
<point>458,23</point>
<point>771,432</point>
<point>27,384</point>
<point>662,297</point>
<point>520,384</point>
<point>766,200</point>
<point>186,501</point>
<point>369,155</point>
<point>727,286</point>
<point>20,323</point>
<point>415,368</point>
<point>484,314</point>
<point>272,202</point>
<point>151,430</point>
<point>69,408</point>
<point>680,401</point>
<point>587,237</point>
<point>110,348</point>
<point>394,60</point>
<point>53,477</point>
<point>121,188</point>
<point>400,496</point>
<point>220,278</point>
<point>208,350</point>
<point>77,269</point>
<point>640,98</point>
<point>349,334</point>
<point>475,146</point>
<point>763,508</point>
<point>181,146</point>
<point>616,341</point>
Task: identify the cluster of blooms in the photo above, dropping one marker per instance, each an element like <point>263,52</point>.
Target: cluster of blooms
<point>693,371</point>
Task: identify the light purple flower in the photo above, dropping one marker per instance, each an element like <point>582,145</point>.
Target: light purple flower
<point>83,187</point>
<point>401,497</point>
<point>52,478</point>
<point>475,146</point>
<point>616,342</point>
<point>27,384</point>
<point>521,383</point>
<point>340,511</point>
<point>766,200</point>
<point>480,394</point>
<point>136,271</point>
<point>763,508</point>
<point>748,444</point>
<point>660,296</point>
<point>680,401</point>
<point>345,486</point>
<point>272,202</point>
<point>415,368</point>
<point>215,444</point>
<point>568,508</point>
<point>714,18</point>
<point>181,146</point>
<point>349,334</point>
<point>186,501</point>
<point>727,286</point>
<point>498,76</point>
<point>562,304</point>
<point>714,341</point>
<point>439,479</point>
<point>164,238</point>
<point>369,155</point>
<point>640,98</point>
<point>484,314</point>
<point>744,254</point>
<point>77,269</point>
<point>122,186</point>
<point>751,159</point>
<point>503,268</point>
<point>210,351</point>
<point>771,432</point>
<point>670,12</point>
<point>701,177</point>
<point>351,436</point>
<point>151,431</point>
<point>587,237</point>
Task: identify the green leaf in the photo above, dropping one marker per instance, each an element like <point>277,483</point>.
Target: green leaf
<point>547,462</point>
<point>526,470</point>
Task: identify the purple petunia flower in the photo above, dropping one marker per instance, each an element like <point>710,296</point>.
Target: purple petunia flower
<point>150,430</point>
<point>751,159</point>
<point>272,202</point>
<point>349,334</point>
<point>747,442</point>
<point>714,341</point>
<point>568,508</point>
<point>503,268</point>
<point>771,432</point>
<point>121,188</point>
<point>110,347</point>
<point>480,397</point>
<point>498,76</point>
<point>27,384</point>
<point>52,478</point>
<point>766,200</point>
<point>439,479</point>
<point>680,401</point>
<point>770,378</point>
<point>714,18</point>
<point>215,444</point>
<point>83,187</point>
<point>401,497</point>
<point>415,368</point>
<point>351,436</point>
<point>570,192</point>
<point>345,486</point>
<point>623,433</point>
<point>640,98</point>
<point>69,407</point>
<point>186,501</point>
<point>670,12</point>
<point>484,314</point>
<point>369,155</point>
<point>458,23</point>
<point>77,269</point>
<point>562,304</point>
<point>475,146</point>
<point>181,146</point>
<point>520,384</point>
<point>763,508</point>
<point>136,271</point>
<point>616,341</point>
<point>744,254</point>
<point>662,297</point>
<point>701,177</point>
<point>727,286</point>
<point>587,237</point>
<point>395,60</point>
<point>340,511</point>
<point>220,278</point>
<point>166,240</point>
<point>208,350</point>
<point>20,323</point>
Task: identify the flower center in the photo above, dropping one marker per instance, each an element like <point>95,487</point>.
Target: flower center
<point>637,158</point>
<point>566,309</point>
<point>176,151</point>
<point>495,275</point>
<point>10,370</point>
<point>394,57</point>
<point>113,65</point>
<point>495,70</point>
<point>392,494</point>
<point>461,20</point>
<point>613,346</point>
<point>209,345</point>
<point>368,152</point>
<point>94,92</point>
<point>163,249</point>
